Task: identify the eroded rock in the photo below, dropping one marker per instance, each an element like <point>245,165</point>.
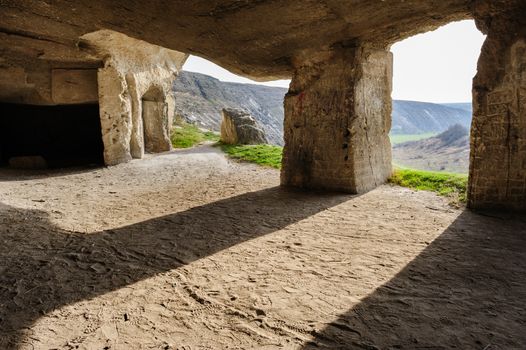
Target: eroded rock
<point>135,94</point>
<point>498,135</point>
<point>239,127</point>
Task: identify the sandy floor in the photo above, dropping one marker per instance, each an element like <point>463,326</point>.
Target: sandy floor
<point>189,251</point>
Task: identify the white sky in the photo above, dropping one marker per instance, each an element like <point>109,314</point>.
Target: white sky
<point>200,65</point>
<point>435,67</point>
<point>438,66</point>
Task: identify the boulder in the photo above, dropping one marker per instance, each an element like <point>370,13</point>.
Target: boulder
<point>239,127</point>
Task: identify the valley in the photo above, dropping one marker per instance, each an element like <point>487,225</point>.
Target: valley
<point>414,133</point>
<point>448,151</point>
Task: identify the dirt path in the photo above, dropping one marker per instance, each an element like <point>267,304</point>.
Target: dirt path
<point>187,250</point>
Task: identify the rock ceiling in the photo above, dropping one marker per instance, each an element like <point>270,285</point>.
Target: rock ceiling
<point>255,38</point>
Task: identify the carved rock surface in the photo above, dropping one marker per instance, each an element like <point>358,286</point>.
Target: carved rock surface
<point>239,127</point>
<point>261,39</point>
<point>337,122</point>
<point>498,135</point>
<point>135,94</point>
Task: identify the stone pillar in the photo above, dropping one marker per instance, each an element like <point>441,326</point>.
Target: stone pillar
<point>115,115</point>
<point>137,132</point>
<point>337,122</point>
<point>497,175</point>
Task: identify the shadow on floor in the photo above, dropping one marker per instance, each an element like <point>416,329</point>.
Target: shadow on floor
<point>8,174</point>
<point>466,290</point>
<point>43,267</point>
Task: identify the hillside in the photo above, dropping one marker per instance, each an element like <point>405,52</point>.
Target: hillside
<point>200,98</point>
<point>411,117</point>
<point>448,151</point>
<point>467,106</point>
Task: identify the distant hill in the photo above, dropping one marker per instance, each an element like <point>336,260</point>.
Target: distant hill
<point>467,106</point>
<point>200,98</point>
<point>411,117</point>
<point>448,151</point>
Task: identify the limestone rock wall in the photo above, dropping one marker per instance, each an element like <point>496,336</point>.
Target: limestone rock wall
<point>498,136</point>
<point>32,68</point>
<point>337,120</point>
<point>104,67</point>
<point>134,72</point>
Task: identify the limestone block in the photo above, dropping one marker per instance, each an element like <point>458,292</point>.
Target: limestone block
<point>115,115</point>
<point>155,118</point>
<point>134,93</point>
<point>337,122</point>
<point>71,86</point>
<point>239,127</point>
<point>14,86</point>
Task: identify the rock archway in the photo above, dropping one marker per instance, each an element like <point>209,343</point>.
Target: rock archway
<point>155,121</point>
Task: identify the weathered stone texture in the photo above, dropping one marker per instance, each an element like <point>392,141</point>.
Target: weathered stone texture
<point>27,62</point>
<point>337,120</point>
<point>105,67</point>
<point>156,127</point>
<point>239,127</point>
<point>72,86</point>
<point>134,71</point>
<point>498,140</point>
<point>254,38</point>
<point>115,116</point>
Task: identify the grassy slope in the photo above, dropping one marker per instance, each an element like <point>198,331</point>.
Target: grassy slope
<point>401,138</point>
<point>445,184</point>
<point>267,155</point>
<point>188,135</point>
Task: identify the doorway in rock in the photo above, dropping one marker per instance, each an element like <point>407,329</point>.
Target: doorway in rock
<point>153,113</point>
<point>34,136</point>
<point>155,121</point>
<point>432,92</point>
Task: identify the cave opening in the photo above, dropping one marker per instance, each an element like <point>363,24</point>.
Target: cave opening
<point>432,98</point>
<point>37,136</point>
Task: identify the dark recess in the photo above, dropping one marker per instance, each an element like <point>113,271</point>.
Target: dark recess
<point>65,135</point>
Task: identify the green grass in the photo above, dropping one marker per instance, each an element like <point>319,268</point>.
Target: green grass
<point>186,135</point>
<point>401,138</point>
<point>266,155</point>
<point>445,184</point>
